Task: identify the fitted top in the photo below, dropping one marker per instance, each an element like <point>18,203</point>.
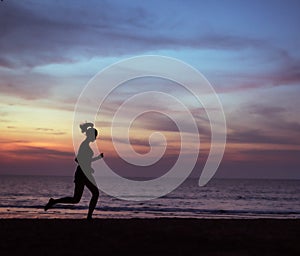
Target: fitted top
<point>84,156</point>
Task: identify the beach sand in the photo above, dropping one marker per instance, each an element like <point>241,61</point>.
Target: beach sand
<point>149,237</point>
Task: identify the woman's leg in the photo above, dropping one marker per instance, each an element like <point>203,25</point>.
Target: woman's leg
<point>78,190</point>
<point>95,195</point>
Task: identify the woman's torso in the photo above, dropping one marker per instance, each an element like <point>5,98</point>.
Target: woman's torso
<point>85,155</point>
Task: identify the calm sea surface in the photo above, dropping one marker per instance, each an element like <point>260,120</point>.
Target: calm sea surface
<point>25,197</point>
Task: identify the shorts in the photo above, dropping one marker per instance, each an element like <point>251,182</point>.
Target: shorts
<point>80,177</point>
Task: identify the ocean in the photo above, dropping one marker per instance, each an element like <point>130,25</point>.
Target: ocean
<point>25,197</point>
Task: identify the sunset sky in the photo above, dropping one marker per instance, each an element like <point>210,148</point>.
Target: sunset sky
<point>248,50</point>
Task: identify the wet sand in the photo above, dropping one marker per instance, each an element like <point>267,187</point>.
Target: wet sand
<point>149,237</point>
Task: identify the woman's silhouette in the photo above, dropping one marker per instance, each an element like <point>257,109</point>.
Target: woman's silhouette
<point>83,174</point>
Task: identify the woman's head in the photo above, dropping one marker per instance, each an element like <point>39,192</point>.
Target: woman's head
<point>89,130</point>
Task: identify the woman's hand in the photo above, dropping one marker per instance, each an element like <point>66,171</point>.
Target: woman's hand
<point>98,157</point>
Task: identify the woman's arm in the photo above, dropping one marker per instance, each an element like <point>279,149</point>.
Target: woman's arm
<point>97,157</point>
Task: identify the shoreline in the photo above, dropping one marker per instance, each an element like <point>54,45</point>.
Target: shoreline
<point>157,236</point>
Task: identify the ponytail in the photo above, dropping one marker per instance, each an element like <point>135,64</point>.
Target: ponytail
<point>85,126</point>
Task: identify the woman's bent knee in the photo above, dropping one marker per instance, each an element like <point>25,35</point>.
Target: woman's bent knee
<point>96,193</point>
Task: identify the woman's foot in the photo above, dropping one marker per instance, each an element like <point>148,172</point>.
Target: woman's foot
<point>49,204</point>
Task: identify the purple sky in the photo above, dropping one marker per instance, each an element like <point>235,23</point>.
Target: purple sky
<point>248,50</point>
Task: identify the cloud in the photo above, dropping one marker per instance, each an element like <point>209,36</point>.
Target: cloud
<point>155,121</point>
<point>257,136</point>
<point>42,33</point>
<point>50,131</point>
<point>276,118</point>
<point>271,152</point>
<point>288,71</point>
<point>260,163</point>
<point>261,157</point>
<point>2,120</point>
<point>5,63</point>
<point>12,141</point>
<point>269,66</point>
<point>271,126</point>
<point>44,129</point>
<point>26,85</point>
<point>159,122</point>
<point>36,152</point>
<point>263,110</point>
<point>144,142</point>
